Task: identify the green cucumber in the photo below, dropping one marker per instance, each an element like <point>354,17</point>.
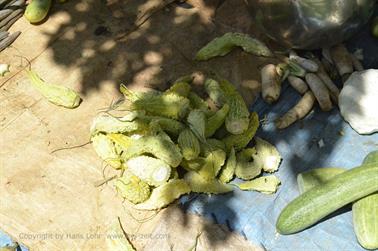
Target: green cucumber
<point>37,10</point>
<point>314,177</point>
<point>365,210</point>
<point>365,214</point>
<point>320,201</point>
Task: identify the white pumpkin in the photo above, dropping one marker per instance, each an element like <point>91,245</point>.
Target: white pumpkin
<point>358,101</point>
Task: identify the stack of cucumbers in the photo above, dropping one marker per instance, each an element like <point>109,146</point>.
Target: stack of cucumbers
<point>325,190</point>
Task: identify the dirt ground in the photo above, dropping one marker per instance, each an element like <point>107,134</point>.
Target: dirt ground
<point>93,46</point>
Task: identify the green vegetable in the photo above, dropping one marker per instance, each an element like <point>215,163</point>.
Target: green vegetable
<point>248,166</point>
<point>132,188</point>
<point>121,141</point>
<point>365,213</point>
<point>295,69</point>
<point>228,171</point>
<point>223,45</point>
<point>151,170</point>
<point>317,176</point>
<point>181,88</point>
<point>215,92</point>
<point>37,10</point>
<point>213,163</point>
<point>196,102</point>
<point>268,154</point>
<point>169,105</point>
<point>197,123</point>
<point>320,201</point>
<point>266,184</point>
<point>215,121</point>
<point>200,185</point>
<point>365,221</point>
<point>237,119</point>
<point>211,145</point>
<point>171,126</point>
<point>107,123</point>
<point>189,144</point>
<point>193,165</point>
<point>240,141</point>
<point>105,148</point>
<point>164,195</point>
<point>159,146</point>
<point>56,94</point>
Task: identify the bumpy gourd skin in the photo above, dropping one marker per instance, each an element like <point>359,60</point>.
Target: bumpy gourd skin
<point>37,10</point>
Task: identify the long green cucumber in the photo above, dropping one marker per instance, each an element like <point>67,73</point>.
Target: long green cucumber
<point>314,177</point>
<point>365,214</point>
<point>319,201</point>
<point>365,210</point>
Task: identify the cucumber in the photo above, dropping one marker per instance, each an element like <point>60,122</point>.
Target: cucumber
<point>37,10</point>
<point>365,210</point>
<point>318,202</point>
<point>314,177</point>
<point>365,214</point>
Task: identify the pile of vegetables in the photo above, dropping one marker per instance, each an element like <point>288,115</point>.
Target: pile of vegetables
<point>10,12</point>
<point>311,77</point>
<point>325,190</point>
<point>167,144</point>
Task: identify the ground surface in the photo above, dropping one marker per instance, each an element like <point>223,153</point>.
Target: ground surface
<point>49,200</point>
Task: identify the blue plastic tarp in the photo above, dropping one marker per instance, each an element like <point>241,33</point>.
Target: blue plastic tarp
<point>254,214</point>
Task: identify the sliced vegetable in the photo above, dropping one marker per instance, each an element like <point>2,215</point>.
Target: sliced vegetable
<point>213,164</point>
<point>266,184</point>
<point>132,188</point>
<point>197,123</point>
<point>228,171</point>
<point>215,92</point>
<point>237,119</point>
<point>268,154</point>
<point>181,88</point>
<point>169,105</point>
<point>215,121</point>
<point>107,123</point>
<point>159,146</point>
<point>248,166</point>
<point>151,170</point>
<point>240,141</point>
<point>223,45</point>
<point>56,94</point>
<point>189,144</point>
<point>199,185</point>
<point>164,195</point>
<point>105,148</point>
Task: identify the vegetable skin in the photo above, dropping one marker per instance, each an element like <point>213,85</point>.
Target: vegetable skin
<point>132,188</point>
<point>199,185</point>
<point>164,195</point>
<point>56,94</point>
<point>266,184</point>
<point>221,46</point>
